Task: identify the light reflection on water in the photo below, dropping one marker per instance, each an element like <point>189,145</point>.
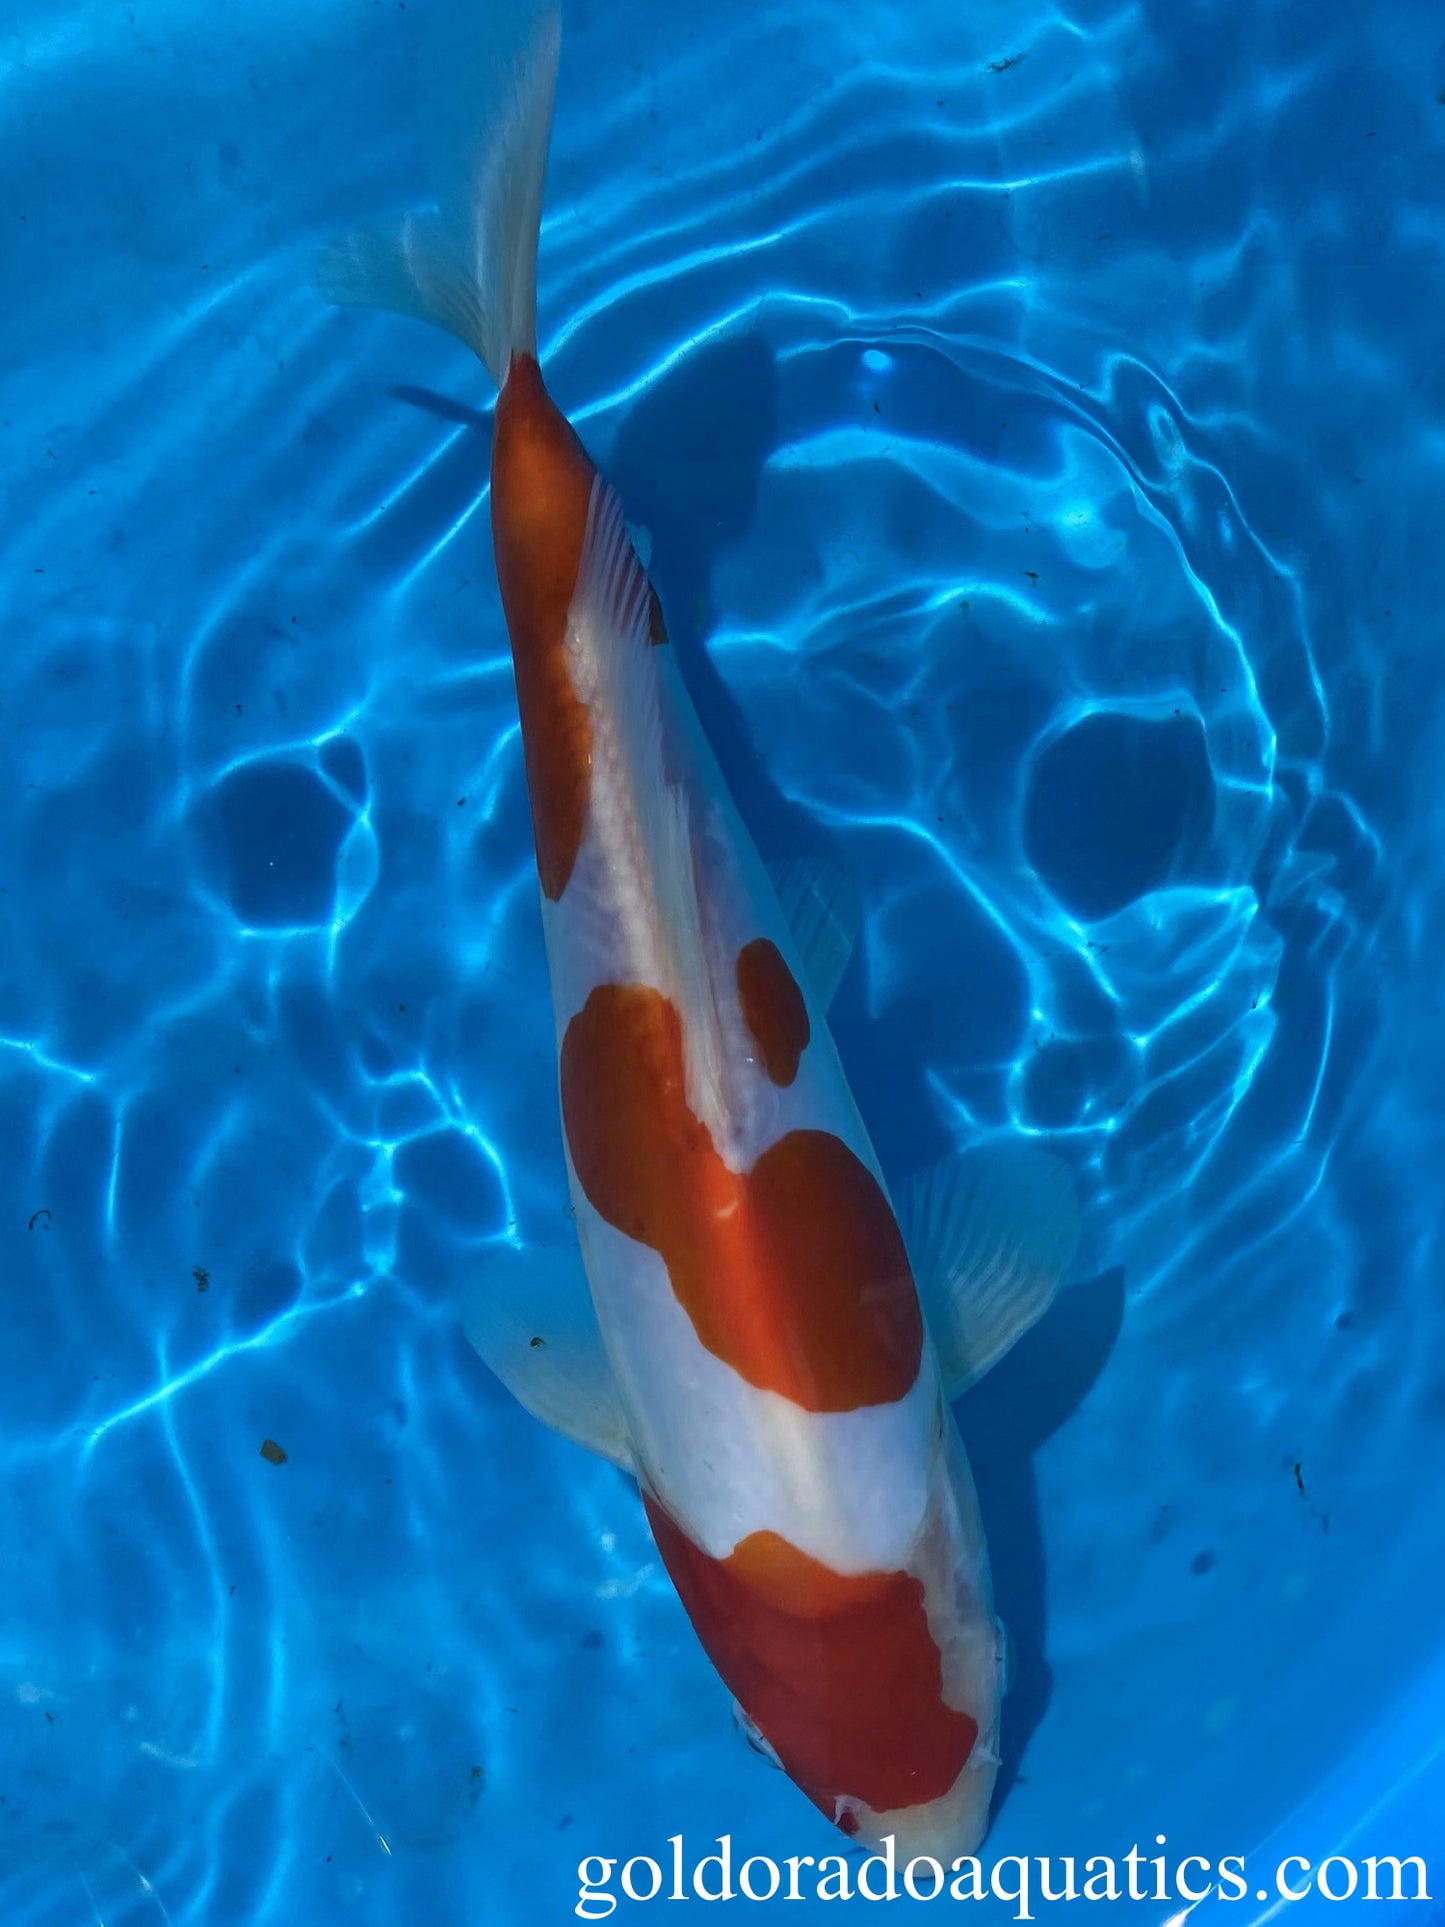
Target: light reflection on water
<point>1034,423</point>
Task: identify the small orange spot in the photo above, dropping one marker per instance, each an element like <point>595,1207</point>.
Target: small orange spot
<point>656,626</point>
<point>840,1673</point>
<point>773,1008</point>
<point>794,1272</point>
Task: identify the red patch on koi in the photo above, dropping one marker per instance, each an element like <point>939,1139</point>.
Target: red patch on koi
<point>656,625</point>
<point>840,1673</point>
<point>794,1273</point>
<point>773,1008</point>
<point>541,485</point>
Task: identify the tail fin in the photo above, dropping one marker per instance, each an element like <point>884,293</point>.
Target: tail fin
<point>470,265</point>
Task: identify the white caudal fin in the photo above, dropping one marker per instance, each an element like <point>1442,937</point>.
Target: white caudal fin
<point>529,1313</point>
<point>820,905</point>
<point>991,1234</point>
<point>470,264</point>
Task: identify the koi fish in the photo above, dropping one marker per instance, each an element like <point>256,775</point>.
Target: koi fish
<point>745,1328</point>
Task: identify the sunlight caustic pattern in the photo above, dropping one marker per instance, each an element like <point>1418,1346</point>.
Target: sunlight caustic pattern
<point>1031,481</point>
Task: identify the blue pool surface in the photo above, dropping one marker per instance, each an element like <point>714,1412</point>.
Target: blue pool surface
<point>1038,411</point>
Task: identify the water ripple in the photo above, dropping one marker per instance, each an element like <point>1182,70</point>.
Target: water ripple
<point>1034,450</point>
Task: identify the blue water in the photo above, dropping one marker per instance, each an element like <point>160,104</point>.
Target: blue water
<point>1039,415</point>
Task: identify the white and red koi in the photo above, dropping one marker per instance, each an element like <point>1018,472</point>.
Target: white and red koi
<point>754,1347</point>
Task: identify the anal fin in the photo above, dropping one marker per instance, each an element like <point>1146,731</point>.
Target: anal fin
<point>991,1233</point>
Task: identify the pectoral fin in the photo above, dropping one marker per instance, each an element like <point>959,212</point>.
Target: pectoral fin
<point>529,1314</point>
<point>991,1233</point>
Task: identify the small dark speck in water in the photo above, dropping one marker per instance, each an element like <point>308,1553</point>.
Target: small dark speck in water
<point>1299,1476</point>
<point>591,1640</point>
<point>1202,1562</point>
<point>564,1823</point>
<point>271,1452</point>
<point>535,1342</point>
<point>202,1278</point>
<point>36,1216</point>
<point>1002,66</point>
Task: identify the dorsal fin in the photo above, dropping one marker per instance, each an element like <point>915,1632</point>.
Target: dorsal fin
<point>615,667</point>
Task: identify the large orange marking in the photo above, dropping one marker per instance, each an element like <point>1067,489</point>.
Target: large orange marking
<point>773,1008</point>
<point>541,483</point>
<point>840,1673</point>
<point>794,1272</point>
